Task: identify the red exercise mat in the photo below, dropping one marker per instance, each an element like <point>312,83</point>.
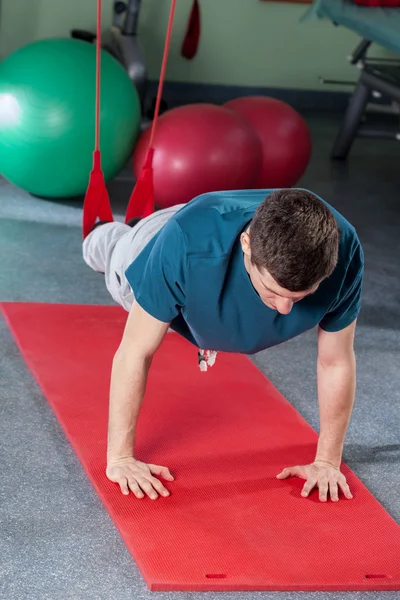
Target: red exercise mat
<point>229,524</point>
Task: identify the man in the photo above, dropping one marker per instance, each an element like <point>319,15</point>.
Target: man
<point>236,272</point>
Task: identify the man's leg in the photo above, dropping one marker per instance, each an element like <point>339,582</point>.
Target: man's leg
<point>111,247</point>
<point>100,252</point>
<point>100,243</point>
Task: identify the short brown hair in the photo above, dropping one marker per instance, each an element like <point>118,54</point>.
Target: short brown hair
<point>295,237</point>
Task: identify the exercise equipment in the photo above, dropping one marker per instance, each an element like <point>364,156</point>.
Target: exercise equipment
<point>141,201</point>
<point>377,77</point>
<point>97,201</point>
<point>284,137</point>
<point>123,42</point>
<point>199,148</point>
<point>381,26</point>
<point>47,124</point>
<point>229,524</point>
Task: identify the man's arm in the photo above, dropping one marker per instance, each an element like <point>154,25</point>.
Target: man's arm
<point>336,376</point>
<point>142,337</point>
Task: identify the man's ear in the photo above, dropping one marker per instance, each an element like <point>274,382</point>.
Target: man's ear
<point>245,241</point>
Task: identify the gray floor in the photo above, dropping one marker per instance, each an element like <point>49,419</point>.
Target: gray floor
<point>56,540</point>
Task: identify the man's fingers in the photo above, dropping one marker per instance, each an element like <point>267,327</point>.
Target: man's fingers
<point>134,486</point>
<point>308,486</point>
<point>323,490</point>
<point>345,489</point>
<point>333,491</point>
<point>288,472</point>
<point>159,486</point>
<point>137,477</point>
<point>123,484</point>
<point>148,488</point>
<point>163,472</point>
<point>327,479</point>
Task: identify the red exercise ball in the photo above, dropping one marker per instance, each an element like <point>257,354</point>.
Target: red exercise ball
<point>284,136</point>
<point>199,148</point>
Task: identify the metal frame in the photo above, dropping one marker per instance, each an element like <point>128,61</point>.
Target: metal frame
<point>131,17</point>
<point>122,41</point>
<point>378,77</point>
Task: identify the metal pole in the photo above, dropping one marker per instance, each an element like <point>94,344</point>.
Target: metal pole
<point>132,18</point>
<point>351,122</point>
<point>376,83</point>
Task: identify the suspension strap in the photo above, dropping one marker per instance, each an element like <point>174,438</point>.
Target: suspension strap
<point>97,202</point>
<point>141,202</point>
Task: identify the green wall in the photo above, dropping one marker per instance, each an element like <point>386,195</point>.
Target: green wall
<point>244,42</point>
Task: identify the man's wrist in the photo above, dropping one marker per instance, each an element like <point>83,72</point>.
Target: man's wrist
<point>329,449</point>
<point>329,452</point>
<point>331,458</point>
<point>115,458</point>
<point>321,461</point>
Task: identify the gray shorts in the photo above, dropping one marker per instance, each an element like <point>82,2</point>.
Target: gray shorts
<point>111,248</point>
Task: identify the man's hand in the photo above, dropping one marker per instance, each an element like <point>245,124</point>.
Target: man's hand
<point>131,474</point>
<point>323,475</point>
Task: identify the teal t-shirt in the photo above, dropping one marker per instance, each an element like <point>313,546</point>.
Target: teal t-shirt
<point>192,275</point>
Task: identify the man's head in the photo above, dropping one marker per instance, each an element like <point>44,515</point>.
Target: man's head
<point>291,245</point>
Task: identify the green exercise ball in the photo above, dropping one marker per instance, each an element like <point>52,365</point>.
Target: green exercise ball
<point>47,117</point>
